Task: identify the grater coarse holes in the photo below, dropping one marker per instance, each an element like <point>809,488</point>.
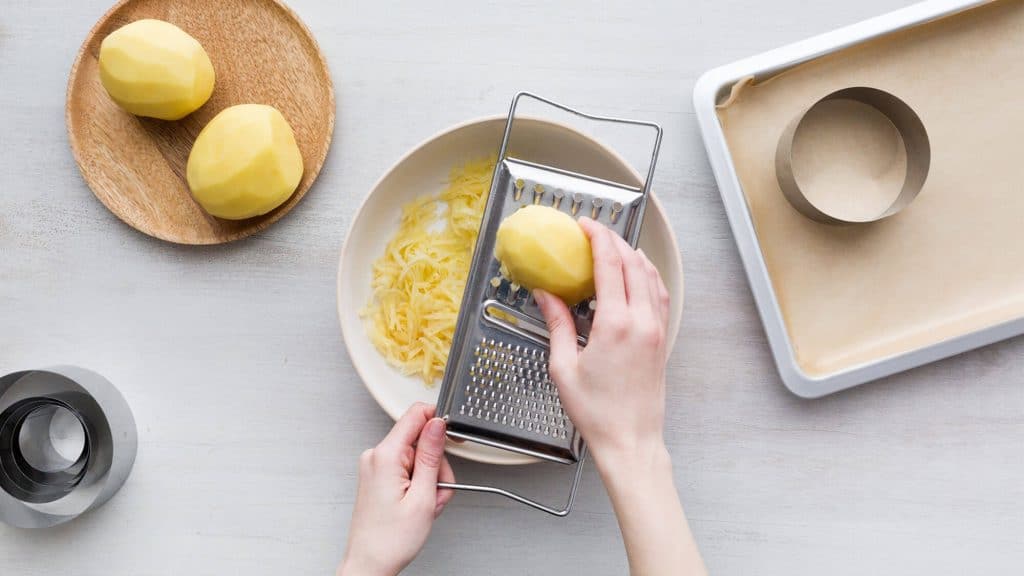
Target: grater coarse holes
<point>496,389</point>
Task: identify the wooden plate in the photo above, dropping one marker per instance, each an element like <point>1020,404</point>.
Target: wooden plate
<point>261,53</point>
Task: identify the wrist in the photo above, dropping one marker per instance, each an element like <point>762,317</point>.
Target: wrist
<point>355,566</point>
<point>624,465</point>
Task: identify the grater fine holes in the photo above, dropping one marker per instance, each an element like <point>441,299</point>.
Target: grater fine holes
<point>510,387</point>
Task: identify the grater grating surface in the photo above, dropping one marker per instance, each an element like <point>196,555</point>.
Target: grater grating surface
<point>496,389</point>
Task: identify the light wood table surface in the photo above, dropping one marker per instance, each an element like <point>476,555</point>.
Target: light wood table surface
<point>251,416</point>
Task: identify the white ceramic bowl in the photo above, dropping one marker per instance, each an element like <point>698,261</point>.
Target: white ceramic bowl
<point>425,170</point>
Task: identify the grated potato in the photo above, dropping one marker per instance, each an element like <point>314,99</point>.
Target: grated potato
<point>419,280</point>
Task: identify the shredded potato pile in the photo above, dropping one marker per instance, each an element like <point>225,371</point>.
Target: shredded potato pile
<point>418,282</point>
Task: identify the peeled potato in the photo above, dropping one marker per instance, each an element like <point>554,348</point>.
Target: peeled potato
<point>244,163</point>
<point>153,68</point>
<point>540,247</point>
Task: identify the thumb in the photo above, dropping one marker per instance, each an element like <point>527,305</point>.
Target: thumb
<point>429,454</point>
<point>562,330</point>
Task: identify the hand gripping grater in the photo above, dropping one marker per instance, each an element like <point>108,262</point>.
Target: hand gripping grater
<point>496,390</point>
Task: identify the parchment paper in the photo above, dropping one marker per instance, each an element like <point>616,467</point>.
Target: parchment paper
<point>953,261</point>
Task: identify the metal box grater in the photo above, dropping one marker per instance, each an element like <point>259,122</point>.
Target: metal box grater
<point>496,389</point>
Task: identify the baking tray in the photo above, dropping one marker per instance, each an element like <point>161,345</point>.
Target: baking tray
<point>713,87</point>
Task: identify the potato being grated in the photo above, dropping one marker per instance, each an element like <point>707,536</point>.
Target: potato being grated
<point>419,280</point>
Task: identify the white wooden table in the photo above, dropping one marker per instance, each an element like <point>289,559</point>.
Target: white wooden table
<point>251,416</point>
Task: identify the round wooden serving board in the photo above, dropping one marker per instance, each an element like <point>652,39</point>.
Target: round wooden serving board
<point>261,53</point>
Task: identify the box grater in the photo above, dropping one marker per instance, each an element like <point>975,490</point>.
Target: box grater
<point>496,390</point>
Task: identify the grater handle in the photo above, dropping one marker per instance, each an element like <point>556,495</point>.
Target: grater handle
<point>656,144</point>
<point>560,512</point>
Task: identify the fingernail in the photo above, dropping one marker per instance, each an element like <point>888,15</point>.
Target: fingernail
<point>435,429</point>
<point>540,296</point>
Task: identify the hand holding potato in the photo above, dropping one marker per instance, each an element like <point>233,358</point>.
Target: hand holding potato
<point>621,371</point>
<point>614,392</point>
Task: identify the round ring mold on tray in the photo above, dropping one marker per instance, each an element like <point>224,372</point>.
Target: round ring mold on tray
<point>801,169</point>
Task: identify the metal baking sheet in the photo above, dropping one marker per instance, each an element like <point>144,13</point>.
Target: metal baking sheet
<point>715,86</point>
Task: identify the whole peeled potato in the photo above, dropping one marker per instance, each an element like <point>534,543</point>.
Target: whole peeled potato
<point>244,163</point>
<point>153,68</point>
<point>540,247</point>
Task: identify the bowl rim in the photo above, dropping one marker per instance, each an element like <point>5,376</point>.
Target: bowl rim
<point>357,364</point>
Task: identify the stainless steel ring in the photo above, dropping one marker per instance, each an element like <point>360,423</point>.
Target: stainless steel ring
<point>907,124</point>
<point>67,444</point>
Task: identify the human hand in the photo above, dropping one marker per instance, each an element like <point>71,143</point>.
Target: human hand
<point>398,498</point>
<point>614,389</point>
<point>614,392</point>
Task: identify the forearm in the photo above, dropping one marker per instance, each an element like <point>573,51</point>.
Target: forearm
<point>654,527</point>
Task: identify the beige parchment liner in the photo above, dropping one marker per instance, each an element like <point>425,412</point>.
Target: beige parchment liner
<point>950,263</point>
